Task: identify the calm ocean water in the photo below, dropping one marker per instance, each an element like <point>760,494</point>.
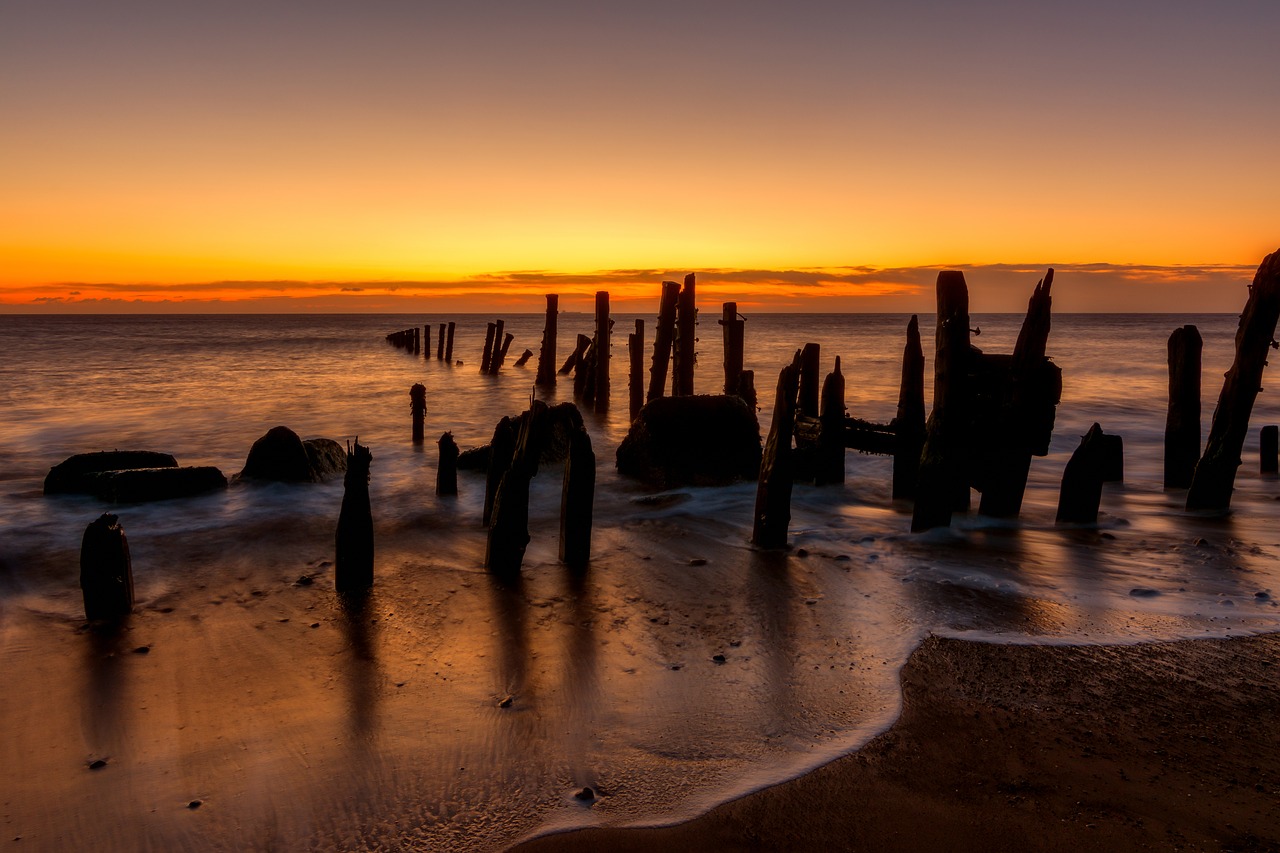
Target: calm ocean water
<point>612,676</point>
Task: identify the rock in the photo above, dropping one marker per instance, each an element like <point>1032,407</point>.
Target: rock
<point>142,650</point>
<point>697,561</point>
<point>73,475</point>
<point>138,485</point>
<point>97,764</point>
<point>585,794</point>
<point>1143,592</point>
<point>195,804</point>
<point>281,456</point>
<point>719,658</point>
<point>506,701</point>
<point>705,440</point>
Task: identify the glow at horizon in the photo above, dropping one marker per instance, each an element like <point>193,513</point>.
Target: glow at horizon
<point>147,145</point>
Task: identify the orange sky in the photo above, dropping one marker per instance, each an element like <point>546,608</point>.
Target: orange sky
<point>311,150</point>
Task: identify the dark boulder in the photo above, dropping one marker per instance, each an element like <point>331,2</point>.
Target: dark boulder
<point>281,456</point>
<point>137,485</point>
<point>706,440</point>
<point>73,475</point>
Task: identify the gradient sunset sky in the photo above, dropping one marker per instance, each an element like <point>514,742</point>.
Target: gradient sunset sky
<point>259,156</point>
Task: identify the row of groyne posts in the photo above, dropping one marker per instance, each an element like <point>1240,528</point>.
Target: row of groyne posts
<point>991,414</point>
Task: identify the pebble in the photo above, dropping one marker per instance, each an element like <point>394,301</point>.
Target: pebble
<point>305,580</point>
<point>719,658</point>
<point>1143,592</point>
<point>506,702</point>
<point>842,558</point>
<point>586,794</point>
<point>97,764</point>
<point>802,552</point>
<point>697,561</point>
<point>1201,542</point>
<point>315,624</point>
<point>195,804</point>
<point>1261,596</point>
<point>675,666</point>
<point>142,650</point>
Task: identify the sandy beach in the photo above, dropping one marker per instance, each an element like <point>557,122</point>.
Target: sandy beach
<point>1164,746</point>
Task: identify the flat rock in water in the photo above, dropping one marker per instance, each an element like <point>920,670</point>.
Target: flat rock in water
<point>704,440</point>
<point>139,485</point>
<point>74,474</point>
<point>281,456</point>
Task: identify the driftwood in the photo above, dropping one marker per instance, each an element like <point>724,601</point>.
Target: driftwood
<point>1268,447</point>
<point>601,346</point>
<point>353,559</point>
<point>734,343</point>
<point>418,408</point>
<point>686,347</point>
<point>663,338</point>
<point>1182,424</point>
<point>1082,481</point>
<point>773,492</point>
<point>635,383</point>
<point>1215,474</point>
<point>908,424</point>
<point>447,471</point>
<point>106,572</point>
<point>576,498</point>
<point>547,351</point>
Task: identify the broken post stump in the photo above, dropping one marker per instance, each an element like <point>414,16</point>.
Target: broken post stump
<point>509,531</point>
<point>448,347</point>
<point>501,449</point>
<point>418,406</point>
<point>575,358</point>
<point>830,467</point>
<point>547,352</point>
<point>1268,446</point>
<point>447,471</point>
<point>663,338</point>
<point>1182,423</point>
<point>1081,490</point>
<point>488,347</point>
<point>1112,458</point>
<point>426,341</point>
<point>734,336</point>
<point>576,498</point>
<point>908,423</point>
<point>523,359</point>
<point>417,340</point>
<point>500,352</point>
<point>747,389</point>
<point>773,492</point>
<point>106,572</point>
<point>601,346</point>
<point>635,380</point>
<point>686,340</point>
<point>353,558</point>
<point>1215,474</point>
<point>440,343</point>
<point>810,362</point>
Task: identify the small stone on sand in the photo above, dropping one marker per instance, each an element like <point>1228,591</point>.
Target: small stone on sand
<point>586,794</point>
<point>195,804</point>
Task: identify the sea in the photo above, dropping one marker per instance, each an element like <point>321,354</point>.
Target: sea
<point>455,710</point>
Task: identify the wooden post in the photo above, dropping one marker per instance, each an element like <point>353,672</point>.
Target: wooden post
<point>576,499</point>
<point>499,352</point>
<point>831,438</point>
<point>523,359</point>
<point>635,385</point>
<point>447,472</point>
<point>686,347</point>
<point>440,343</point>
<point>734,334</point>
<point>943,485</point>
<point>747,389</point>
<point>418,406</point>
<point>1268,445</point>
<point>416,334</point>
<point>509,532</point>
<point>773,492</point>
<point>663,338</point>
<point>488,347</point>
<point>448,348</point>
<point>494,356</point>
<point>501,449</point>
<point>908,423</point>
<point>1082,481</point>
<point>602,350</point>
<point>810,362</point>
<point>353,560</point>
<point>1182,424</point>
<point>1112,458</point>
<point>1215,474</point>
<point>426,341</point>
<point>583,384</point>
<point>547,352</point>
<point>106,572</point>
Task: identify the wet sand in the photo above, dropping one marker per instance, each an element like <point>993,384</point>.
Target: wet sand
<point>1163,746</point>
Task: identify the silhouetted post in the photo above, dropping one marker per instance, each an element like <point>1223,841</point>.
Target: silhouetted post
<point>1019,427</point>
<point>1082,481</point>
<point>509,532</point>
<point>523,359</point>
<point>831,438</point>
<point>488,347</point>
<point>447,472</point>
<point>106,572</point>
<point>734,335</point>
<point>943,485</point>
<point>908,423</point>
<point>353,560</point>
<point>663,338</point>
<point>448,348</point>
<point>440,343</point>
<point>576,500</point>
<point>773,492</point>
<point>635,385</point>
<point>501,449</point>
<point>810,362</point>
<point>581,343</point>
<point>602,350</point>
<point>747,388</point>
<point>418,406</point>
<point>500,352</point>
<point>686,347</point>
<point>1112,453</point>
<point>417,341</point>
<point>547,352</point>
<point>583,383</point>
<point>426,341</point>
<point>495,354</point>
<point>1182,424</point>
<point>1216,472</point>
<point>1268,447</point>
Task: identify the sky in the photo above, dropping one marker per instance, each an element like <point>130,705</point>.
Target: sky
<point>832,156</point>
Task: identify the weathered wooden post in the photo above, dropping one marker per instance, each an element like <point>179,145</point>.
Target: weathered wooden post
<point>734,336</point>
<point>106,572</point>
<point>1112,453</point>
<point>448,348</point>
<point>635,383</point>
<point>581,343</point>
<point>500,353</point>
<point>943,486</point>
<point>603,324</point>
<point>773,492</point>
<point>1182,424</point>
<point>686,346</point>
<point>1268,446</point>
<point>1082,481</point>
<point>509,532</point>
<point>1215,474</point>
<point>663,338</point>
<point>495,354</point>
<point>810,363</point>
<point>547,352</point>
<point>490,331</point>
<point>830,469</point>
<point>747,388</point>
<point>501,449</point>
<point>584,386</point>
<point>418,406</point>
<point>416,334</point>
<point>440,343</point>
<point>523,359</point>
<point>353,560</point>
<point>908,423</point>
<point>576,499</point>
<point>426,341</point>
<point>447,472</point>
